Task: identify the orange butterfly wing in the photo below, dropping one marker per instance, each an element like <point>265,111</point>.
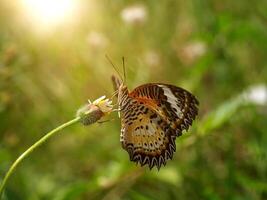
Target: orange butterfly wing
<point>146,137</point>
<point>174,104</point>
<point>158,114</point>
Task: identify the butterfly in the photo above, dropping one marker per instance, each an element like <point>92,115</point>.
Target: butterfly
<point>152,116</point>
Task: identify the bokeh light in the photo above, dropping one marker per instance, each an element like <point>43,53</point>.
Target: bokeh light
<point>50,13</point>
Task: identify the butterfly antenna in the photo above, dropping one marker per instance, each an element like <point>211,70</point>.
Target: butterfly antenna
<point>113,66</point>
<point>123,65</point>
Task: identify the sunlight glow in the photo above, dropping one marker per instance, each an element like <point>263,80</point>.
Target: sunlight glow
<point>50,12</point>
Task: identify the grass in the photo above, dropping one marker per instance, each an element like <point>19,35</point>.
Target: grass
<point>214,49</point>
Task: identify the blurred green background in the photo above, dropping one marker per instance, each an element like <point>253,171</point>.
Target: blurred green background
<point>51,64</point>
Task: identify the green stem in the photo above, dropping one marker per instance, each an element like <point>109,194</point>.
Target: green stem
<point>33,147</point>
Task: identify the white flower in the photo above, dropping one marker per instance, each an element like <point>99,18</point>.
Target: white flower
<point>152,58</point>
<point>256,94</point>
<point>135,14</point>
<point>192,51</point>
<point>105,105</point>
<point>97,40</point>
<point>93,112</point>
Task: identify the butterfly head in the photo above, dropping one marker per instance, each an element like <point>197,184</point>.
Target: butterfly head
<point>121,90</point>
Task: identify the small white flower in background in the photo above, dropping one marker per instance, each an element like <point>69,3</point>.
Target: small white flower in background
<point>256,94</point>
<point>152,58</point>
<point>97,40</point>
<point>191,51</point>
<point>135,14</point>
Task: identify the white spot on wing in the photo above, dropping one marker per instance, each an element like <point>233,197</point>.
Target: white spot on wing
<point>151,130</point>
<point>171,99</point>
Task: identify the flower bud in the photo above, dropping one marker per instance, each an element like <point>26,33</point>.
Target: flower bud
<point>92,112</point>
